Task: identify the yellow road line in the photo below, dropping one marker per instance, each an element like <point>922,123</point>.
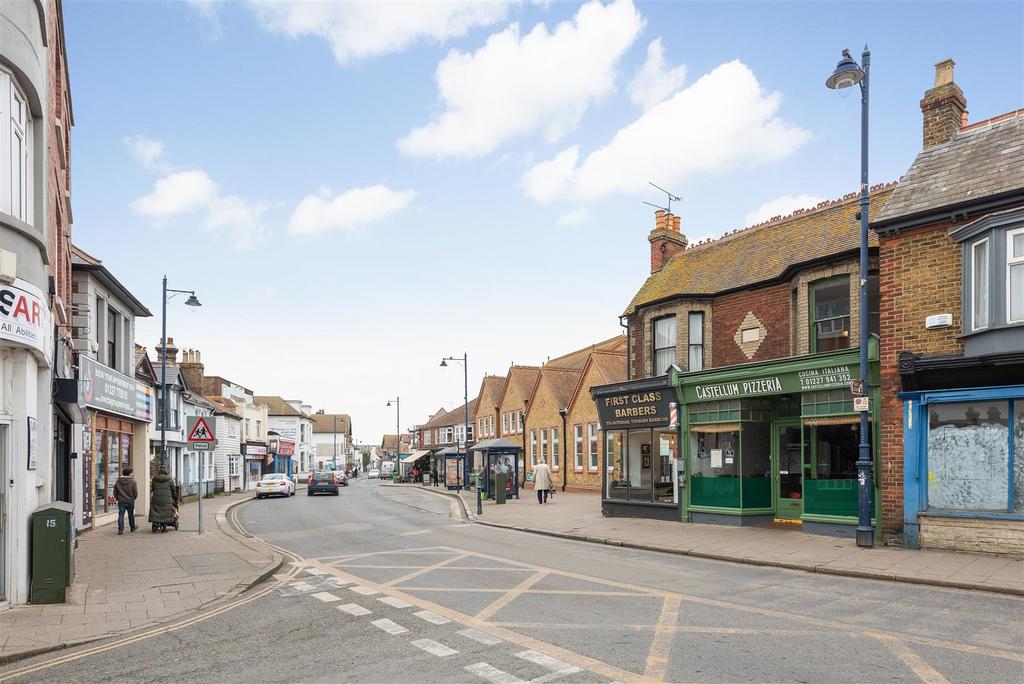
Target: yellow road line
<point>511,595</point>
<point>661,645</point>
<point>424,570</point>
<point>925,672</point>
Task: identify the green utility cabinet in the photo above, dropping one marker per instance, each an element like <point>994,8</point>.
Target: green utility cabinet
<point>499,488</point>
<point>52,563</point>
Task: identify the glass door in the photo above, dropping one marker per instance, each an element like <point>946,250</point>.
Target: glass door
<point>789,503</point>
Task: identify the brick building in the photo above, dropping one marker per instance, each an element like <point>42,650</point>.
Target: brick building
<point>952,327</point>
<point>737,408</point>
<point>587,445</point>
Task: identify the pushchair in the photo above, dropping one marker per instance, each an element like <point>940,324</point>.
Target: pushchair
<point>162,527</point>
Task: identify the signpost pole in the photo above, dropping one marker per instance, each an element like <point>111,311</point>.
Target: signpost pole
<point>202,462</point>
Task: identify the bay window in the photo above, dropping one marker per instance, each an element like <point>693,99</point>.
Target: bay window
<point>695,341</point>
<point>16,196</point>
<point>1015,276</point>
<point>979,284</point>
<point>664,344</point>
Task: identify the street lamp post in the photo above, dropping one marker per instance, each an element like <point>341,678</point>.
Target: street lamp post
<point>465,435</point>
<point>398,430</point>
<point>847,74</point>
<point>191,301</point>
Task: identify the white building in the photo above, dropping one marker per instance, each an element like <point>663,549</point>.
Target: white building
<point>290,420</point>
<point>174,433</point>
<point>332,441</point>
<point>196,466</point>
<point>227,457</point>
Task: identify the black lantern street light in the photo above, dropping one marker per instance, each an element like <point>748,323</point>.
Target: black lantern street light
<point>193,302</point>
<point>398,430</point>
<point>464,360</point>
<point>846,75</point>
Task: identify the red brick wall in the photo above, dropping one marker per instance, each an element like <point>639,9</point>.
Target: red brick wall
<point>58,165</point>
<point>771,307</point>
<point>919,275</point>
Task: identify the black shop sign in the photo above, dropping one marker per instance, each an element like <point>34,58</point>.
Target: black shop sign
<point>637,408</point>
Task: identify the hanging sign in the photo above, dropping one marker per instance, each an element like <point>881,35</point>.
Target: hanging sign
<point>25,316</point>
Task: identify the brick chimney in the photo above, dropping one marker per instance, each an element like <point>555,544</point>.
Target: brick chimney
<point>172,351</point>
<point>944,107</point>
<point>666,240</point>
<point>192,369</point>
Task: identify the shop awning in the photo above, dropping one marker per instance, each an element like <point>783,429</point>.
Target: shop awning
<point>833,420</point>
<point>415,456</point>
<point>718,427</point>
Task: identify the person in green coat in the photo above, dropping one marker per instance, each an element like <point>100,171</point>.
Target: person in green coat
<point>163,501</point>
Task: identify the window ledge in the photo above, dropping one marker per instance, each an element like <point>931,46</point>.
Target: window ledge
<point>577,470</point>
<point>592,470</point>
<point>995,327</point>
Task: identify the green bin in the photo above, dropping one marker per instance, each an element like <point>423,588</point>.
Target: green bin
<point>499,488</point>
<point>52,564</point>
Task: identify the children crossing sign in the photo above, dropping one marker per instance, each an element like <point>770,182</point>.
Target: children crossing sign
<point>201,436</point>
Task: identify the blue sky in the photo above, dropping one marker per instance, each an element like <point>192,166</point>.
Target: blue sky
<point>358,190</point>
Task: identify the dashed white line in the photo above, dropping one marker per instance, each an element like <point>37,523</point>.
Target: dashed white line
<point>316,571</point>
<point>394,602</point>
<point>389,626</point>
<point>409,534</point>
<point>482,637</point>
<point>354,609</point>
<point>559,668</point>
<point>326,597</point>
<point>365,591</point>
<point>431,617</point>
<point>492,674</point>
<point>433,648</point>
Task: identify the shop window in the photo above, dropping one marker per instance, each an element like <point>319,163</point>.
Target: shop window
<point>1015,276</point>
<point>830,457</point>
<point>592,444</point>
<point>1018,456</point>
<point>664,486</point>
<point>664,344</point>
<point>533,447</point>
<point>827,402</point>
<point>112,453</point>
<point>755,457</point>
<point>614,458</point>
<point>695,341</point>
<point>577,431</point>
<point>556,456</point>
<point>544,445</point>
<point>830,314</point>
<point>968,456</point>
<point>714,466</point>
<point>979,284</point>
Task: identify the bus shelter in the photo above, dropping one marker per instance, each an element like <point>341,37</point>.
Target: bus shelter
<point>492,456</point>
<point>449,468</point>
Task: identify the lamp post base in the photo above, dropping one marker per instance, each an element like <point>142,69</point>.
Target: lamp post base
<point>865,536</point>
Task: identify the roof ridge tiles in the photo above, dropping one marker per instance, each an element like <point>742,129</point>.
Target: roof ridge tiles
<point>1006,116</point>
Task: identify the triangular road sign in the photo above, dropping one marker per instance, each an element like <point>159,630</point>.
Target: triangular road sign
<point>200,432</point>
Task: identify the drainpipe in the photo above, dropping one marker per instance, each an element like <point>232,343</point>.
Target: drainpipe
<point>629,350</point>
<point>565,439</point>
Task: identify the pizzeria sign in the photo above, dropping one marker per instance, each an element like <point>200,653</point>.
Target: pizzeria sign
<point>808,380</point>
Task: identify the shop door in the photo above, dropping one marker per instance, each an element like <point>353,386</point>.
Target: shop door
<point>3,512</point>
<point>788,472</point>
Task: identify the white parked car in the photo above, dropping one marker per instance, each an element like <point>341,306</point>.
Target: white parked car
<point>373,473</point>
<point>273,484</point>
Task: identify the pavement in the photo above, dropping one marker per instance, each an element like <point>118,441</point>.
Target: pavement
<point>578,516</point>
<point>140,579</point>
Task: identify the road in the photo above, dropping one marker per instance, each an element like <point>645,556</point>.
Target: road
<point>386,586</point>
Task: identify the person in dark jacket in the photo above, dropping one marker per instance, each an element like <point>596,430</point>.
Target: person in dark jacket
<point>163,499</point>
<point>126,492</point>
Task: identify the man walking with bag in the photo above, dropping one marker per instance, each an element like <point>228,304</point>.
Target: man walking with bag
<point>126,492</point>
<point>542,481</point>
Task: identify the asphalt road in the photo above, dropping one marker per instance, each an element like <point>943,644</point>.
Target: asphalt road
<point>386,586</point>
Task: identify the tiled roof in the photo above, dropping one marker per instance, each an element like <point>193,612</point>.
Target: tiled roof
<point>762,252</point>
<point>388,442</point>
<point>521,379</point>
<point>324,422</point>
<point>224,405</point>
<point>577,359</point>
<point>561,383</point>
<point>276,406</point>
<point>610,366</point>
<point>457,416</point>
<point>490,392</point>
<point>981,160</point>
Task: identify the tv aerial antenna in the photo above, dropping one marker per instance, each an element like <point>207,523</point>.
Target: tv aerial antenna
<point>671,198</point>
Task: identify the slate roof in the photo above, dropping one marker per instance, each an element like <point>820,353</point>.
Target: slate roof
<point>763,252</point>
<point>277,406</point>
<point>324,422</point>
<point>982,160</point>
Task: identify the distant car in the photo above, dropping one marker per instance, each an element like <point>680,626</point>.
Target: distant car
<point>342,478</point>
<point>275,484</point>
<point>322,481</point>
<point>372,473</point>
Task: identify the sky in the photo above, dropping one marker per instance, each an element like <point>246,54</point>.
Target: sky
<point>355,191</point>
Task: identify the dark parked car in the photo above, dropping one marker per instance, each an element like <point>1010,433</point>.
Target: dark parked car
<point>322,481</point>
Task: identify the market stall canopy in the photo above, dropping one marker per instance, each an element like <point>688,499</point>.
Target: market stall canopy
<point>498,443</point>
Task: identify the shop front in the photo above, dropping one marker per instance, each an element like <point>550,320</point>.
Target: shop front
<point>116,437</point>
<point>640,426</point>
<point>777,442</point>
<point>255,455</point>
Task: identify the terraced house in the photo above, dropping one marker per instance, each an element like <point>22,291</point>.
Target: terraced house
<point>738,407</point>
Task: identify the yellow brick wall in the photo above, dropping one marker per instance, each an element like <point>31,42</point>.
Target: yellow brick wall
<point>543,413</point>
<point>681,310</point>
<point>584,411</point>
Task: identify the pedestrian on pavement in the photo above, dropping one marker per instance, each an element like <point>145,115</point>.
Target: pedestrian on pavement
<point>126,492</point>
<point>433,476</point>
<point>542,481</point>
<point>163,499</point>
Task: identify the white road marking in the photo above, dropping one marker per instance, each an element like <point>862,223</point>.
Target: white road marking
<point>326,597</point>
<point>389,626</point>
<point>301,586</point>
<point>433,648</point>
<point>365,591</point>
<point>431,617</point>
<point>394,602</point>
<point>338,582</point>
<point>354,609</point>
<point>409,534</point>
<point>558,667</point>
<point>492,674</point>
<point>482,637</point>
<point>316,571</point>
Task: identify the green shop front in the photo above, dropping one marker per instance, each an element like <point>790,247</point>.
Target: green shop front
<point>777,442</point>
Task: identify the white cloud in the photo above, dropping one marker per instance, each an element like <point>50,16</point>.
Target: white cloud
<point>357,30</point>
<point>352,210</point>
<point>209,12</point>
<point>655,80</point>
<point>146,150</point>
<point>240,218</point>
<point>575,217</point>
<point>177,193</point>
<point>514,84</point>
<point>781,206</point>
<point>722,122</point>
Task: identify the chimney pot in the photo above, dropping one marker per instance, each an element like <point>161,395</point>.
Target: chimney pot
<point>676,223</point>
<point>944,72</point>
